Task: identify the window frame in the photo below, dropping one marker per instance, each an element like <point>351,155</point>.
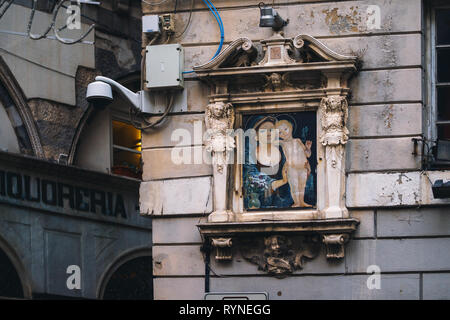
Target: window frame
<point>431,86</point>
<point>120,116</point>
<point>234,194</point>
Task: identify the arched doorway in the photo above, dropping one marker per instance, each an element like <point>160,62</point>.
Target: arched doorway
<point>10,284</point>
<point>129,277</point>
<point>132,280</point>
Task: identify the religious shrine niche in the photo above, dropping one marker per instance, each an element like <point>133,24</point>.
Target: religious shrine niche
<point>279,172</point>
<point>277,134</point>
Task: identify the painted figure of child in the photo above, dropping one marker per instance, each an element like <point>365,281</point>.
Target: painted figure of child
<point>296,169</point>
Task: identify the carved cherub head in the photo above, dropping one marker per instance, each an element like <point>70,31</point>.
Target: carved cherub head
<point>219,110</point>
<point>219,116</point>
<point>275,78</point>
<point>334,103</point>
<point>276,246</point>
<point>274,81</point>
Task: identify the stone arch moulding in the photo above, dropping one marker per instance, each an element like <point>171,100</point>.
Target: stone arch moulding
<point>29,140</point>
<point>24,275</point>
<point>291,76</point>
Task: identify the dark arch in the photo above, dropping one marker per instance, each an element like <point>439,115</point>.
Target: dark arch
<point>12,96</point>
<point>14,279</point>
<point>128,277</point>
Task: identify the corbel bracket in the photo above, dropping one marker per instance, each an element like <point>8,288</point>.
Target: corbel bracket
<point>223,248</point>
<point>335,245</point>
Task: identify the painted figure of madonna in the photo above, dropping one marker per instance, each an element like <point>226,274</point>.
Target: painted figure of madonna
<point>280,161</point>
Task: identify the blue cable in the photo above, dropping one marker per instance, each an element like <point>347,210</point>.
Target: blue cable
<point>216,14</point>
<point>219,21</point>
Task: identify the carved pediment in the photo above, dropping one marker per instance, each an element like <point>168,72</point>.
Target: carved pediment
<point>240,53</point>
<point>278,65</point>
<point>312,50</point>
<point>276,51</point>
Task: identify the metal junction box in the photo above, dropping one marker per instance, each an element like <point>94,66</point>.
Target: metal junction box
<point>164,67</point>
<point>150,24</point>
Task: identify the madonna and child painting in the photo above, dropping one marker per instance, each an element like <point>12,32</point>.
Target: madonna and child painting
<point>279,171</point>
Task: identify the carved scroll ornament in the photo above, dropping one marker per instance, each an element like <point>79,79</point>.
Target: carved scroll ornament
<point>223,248</point>
<point>335,245</point>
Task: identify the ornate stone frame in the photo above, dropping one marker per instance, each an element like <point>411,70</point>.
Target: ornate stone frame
<point>296,74</point>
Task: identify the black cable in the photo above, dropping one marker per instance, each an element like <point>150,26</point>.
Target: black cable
<point>148,124</point>
<point>188,22</point>
<point>207,270</point>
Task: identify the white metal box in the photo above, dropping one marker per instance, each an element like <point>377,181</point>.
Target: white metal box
<point>150,24</point>
<point>164,67</point>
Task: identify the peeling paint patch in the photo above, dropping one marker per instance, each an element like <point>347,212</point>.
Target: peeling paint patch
<point>388,116</point>
<point>402,175</point>
<point>339,22</point>
<point>383,189</point>
<point>178,196</point>
<point>388,52</point>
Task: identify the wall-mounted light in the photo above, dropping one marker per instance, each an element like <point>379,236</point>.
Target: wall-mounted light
<point>270,18</point>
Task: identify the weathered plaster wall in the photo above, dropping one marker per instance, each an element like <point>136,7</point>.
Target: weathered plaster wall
<point>54,76</point>
<point>55,62</point>
<point>385,189</point>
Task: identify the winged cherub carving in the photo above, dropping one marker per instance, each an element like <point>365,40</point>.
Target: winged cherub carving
<point>219,121</point>
<point>334,119</point>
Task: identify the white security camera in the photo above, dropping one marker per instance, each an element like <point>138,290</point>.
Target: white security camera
<point>99,94</point>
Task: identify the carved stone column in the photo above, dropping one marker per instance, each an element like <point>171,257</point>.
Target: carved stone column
<point>219,121</point>
<point>334,109</point>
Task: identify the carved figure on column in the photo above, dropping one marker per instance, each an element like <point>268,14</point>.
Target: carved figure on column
<point>219,121</point>
<point>334,130</point>
<point>334,110</point>
<point>334,120</point>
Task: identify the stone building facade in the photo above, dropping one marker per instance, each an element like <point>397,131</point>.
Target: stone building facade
<point>69,223</point>
<point>368,68</point>
<point>362,88</point>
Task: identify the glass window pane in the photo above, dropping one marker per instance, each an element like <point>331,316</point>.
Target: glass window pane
<point>126,162</point>
<point>443,103</point>
<point>443,26</point>
<point>444,131</point>
<point>125,135</point>
<point>127,159</point>
<point>443,64</point>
